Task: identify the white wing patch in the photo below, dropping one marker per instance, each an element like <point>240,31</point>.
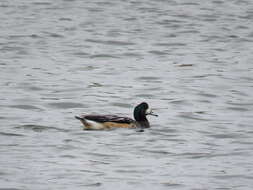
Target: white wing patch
<point>93,125</point>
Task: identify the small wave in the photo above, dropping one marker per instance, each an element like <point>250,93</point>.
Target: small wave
<point>103,56</point>
<point>40,128</point>
<point>124,105</point>
<point>25,107</point>
<point>11,134</point>
<point>170,44</point>
<point>111,42</point>
<point>66,105</point>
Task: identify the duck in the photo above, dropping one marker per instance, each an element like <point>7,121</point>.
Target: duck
<point>100,122</point>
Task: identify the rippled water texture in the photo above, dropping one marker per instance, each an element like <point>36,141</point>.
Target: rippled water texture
<point>190,60</point>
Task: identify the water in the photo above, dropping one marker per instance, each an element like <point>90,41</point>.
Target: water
<point>190,60</point>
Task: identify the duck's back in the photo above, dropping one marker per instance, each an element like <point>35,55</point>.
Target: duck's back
<point>108,118</point>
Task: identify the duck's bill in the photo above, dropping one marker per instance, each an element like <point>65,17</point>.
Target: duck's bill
<point>153,114</point>
<point>150,112</point>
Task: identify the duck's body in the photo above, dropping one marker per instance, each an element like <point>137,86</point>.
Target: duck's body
<point>98,122</point>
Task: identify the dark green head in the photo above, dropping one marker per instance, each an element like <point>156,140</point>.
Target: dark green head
<point>140,112</point>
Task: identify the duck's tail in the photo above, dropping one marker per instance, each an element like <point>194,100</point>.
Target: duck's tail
<point>83,120</point>
<point>79,118</point>
<point>89,124</point>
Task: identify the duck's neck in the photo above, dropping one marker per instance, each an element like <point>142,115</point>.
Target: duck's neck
<point>143,124</point>
<point>142,121</point>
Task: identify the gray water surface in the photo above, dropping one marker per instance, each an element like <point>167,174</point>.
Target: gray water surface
<point>190,60</point>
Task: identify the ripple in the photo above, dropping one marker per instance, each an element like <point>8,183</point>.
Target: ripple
<point>16,36</point>
<point>55,35</point>
<point>66,105</point>
<point>185,65</point>
<point>209,95</point>
<point>68,156</point>
<point>95,84</point>
<point>35,88</point>
<point>3,6</point>
<point>129,54</point>
<point>103,56</point>
<point>93,184</point>
<point>123,105</point>
<point>170,44</point>
<point>226,136</point>
<point>239,103</point>
<point>2,174</point>
<point>40,128</point>
<point>196,155</point>
<point>236,177</point>
<point>239,109</point>
<point>146,95</point>
<point>133,171</point>
<point>242,142</point>
<point>95,162</point>
<point>156,52</point>
<point>111,42</point>
<point>183,102</point>
<point>103,155</point>
<point>91,171</point>
<point>164,131</point>
<point>26,107</point>
<point>149,79</point>
<point>81,54</point>
<point>119,43</point>
<point>162,152</point>
<point>193,116</point>
<point>65,19</point>
<point>171,184</point>
<point>42,3</point>
<point>11,134</point>
<point>34,36</point>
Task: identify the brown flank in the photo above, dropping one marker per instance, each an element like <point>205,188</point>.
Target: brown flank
<point>118,125</point>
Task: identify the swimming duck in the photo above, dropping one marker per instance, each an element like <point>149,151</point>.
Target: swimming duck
<point>98,122</point>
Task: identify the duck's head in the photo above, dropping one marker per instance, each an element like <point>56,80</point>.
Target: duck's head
<point>140,113</point>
